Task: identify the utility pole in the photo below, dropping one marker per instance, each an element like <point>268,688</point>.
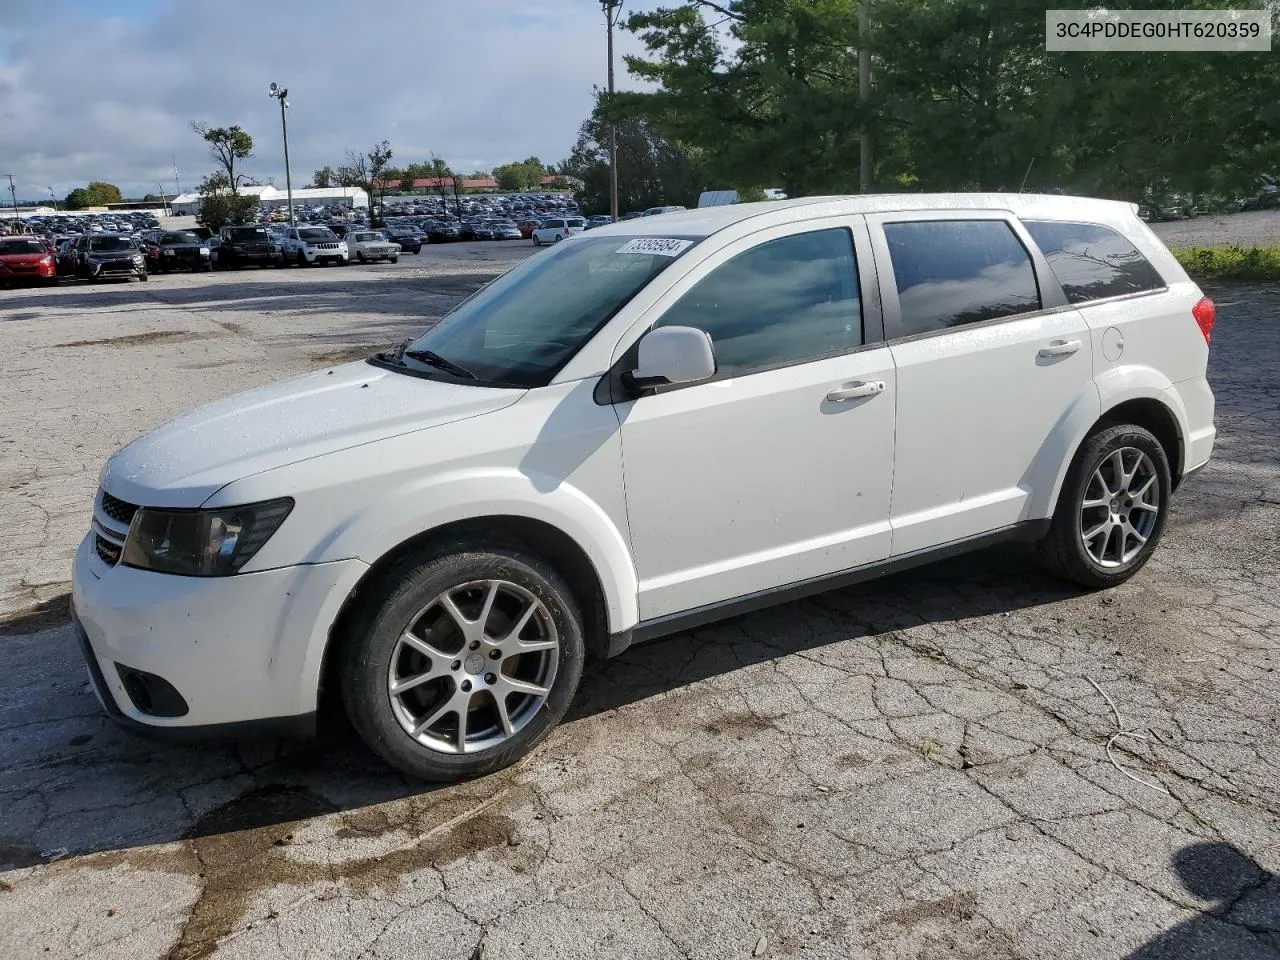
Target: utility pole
<point>54,197</point>
<point>164,202</point>
<point>177,185</point>
<point>612,12</point>
<point>13,193</point>
<point>864,95</point>
<point>280,93</point>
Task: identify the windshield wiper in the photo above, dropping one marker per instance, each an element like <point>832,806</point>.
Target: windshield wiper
<point>431,358</point>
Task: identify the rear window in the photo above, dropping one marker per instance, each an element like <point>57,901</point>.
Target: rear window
<point>1093,262</point>
<point>954,272</point>
<point>553,224</point>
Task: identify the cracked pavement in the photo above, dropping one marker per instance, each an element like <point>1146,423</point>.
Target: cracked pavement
<point>920,766</point>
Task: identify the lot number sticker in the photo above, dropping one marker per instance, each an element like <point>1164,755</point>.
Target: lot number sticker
<point>656,246</point>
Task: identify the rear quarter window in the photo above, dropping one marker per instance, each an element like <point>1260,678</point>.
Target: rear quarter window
<point>1093,262</point>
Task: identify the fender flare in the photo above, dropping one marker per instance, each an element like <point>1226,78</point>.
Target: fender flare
<point>1114,386</point>
<point>434,502</point>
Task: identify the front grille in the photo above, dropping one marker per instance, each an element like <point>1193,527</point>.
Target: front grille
<point>117,509</point>
<point>325,246</point>
<point>255,248</point>
<point>108,552</point>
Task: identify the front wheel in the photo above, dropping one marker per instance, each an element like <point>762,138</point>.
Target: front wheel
<point>394,259</point>
<point>464,662</point>
<point>1112,508</point>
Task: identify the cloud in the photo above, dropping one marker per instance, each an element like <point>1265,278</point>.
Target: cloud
<point>107,92</point>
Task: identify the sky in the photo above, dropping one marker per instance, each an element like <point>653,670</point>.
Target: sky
<point>94,90</point>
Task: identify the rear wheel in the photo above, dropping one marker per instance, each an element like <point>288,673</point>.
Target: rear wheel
<point>1112,508</point>
<point>393,259</point>
<point>464,662</point>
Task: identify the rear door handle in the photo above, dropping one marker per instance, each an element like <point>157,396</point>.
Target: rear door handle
<point>855,390</point>
<point>1059,348</point>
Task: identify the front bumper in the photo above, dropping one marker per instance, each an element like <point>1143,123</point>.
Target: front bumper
<point>243,651</point>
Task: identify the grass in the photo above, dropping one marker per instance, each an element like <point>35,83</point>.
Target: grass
<point>1259,264</point>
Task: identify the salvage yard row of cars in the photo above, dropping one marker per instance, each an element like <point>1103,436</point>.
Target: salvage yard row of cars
<point>100,256</point>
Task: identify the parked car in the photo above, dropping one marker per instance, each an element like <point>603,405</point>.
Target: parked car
<point>556,229</point>
<point>526,226</point>
<point>98,256</point>
<point>599,220</point>
<point>313,245</point>
<point>409,239</point>
<point>658,211</point>
<point>469,230</point>
<point>177,250</point>
<point>26,260</point>
<point>504,230</point>
<point>443,231</point>
<point>444,533</point>
<point>364,246</point>
<point>244,246</point>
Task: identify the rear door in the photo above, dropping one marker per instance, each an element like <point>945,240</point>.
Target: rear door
<point>989,356</point>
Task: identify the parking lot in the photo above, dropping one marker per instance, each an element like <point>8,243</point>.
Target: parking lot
<point>970,760</point>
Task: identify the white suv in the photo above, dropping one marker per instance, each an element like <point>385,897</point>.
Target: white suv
<point>558,228</point>
<point>649,427</point>
<point>307,246</point>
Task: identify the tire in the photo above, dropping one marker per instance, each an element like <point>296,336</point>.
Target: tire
<point>374,653</point>
<point>1106,559</point>
<point>302,259</point>
<point>209,268</point>
<point>360,257</point>
<point>394,259</point>
<point>143,277</point>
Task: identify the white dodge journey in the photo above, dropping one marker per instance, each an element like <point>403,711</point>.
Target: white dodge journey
<point>645,428</point>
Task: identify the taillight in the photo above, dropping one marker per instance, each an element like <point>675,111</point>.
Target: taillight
<point>1205,313</point>
<point>155,251</point>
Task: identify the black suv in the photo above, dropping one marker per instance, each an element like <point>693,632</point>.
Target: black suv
<point>96,256</point>
<point>241,246</point>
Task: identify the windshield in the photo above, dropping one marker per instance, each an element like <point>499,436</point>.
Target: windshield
<point>249,233</point>
<point>182,236</point>
<point>21,246</point>
<point>110,244</point>
<point>317,235</point>
<point>522,328</point>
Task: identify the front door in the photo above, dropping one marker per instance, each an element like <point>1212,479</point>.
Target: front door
<point>778,469</point>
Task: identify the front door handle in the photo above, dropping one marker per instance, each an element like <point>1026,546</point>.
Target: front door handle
<point>1059,348</point>
<point>856,390</point>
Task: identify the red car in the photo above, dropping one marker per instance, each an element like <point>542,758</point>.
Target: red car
<point>26,259</point>
<point>526,227</point>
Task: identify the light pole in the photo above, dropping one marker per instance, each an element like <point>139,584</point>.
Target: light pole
<point>612,12</point>
<point>54,197</point>
<point>280,93</point>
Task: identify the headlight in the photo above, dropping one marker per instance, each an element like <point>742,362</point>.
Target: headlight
<point>204,251</point>
<point>202,543</point>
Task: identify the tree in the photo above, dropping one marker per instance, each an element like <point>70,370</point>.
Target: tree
<point>652,170</point>
<point>227,145</point>
<point>323,178</point>
<point>522,176</point>
<point>965,97</point>
<point>106,192</point>
<point>367,170</point>
<point>220,206</point>
<point>96,194</point>
<point>446,184</point>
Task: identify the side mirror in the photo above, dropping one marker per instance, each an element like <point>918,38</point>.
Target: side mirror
<point>670,355</point>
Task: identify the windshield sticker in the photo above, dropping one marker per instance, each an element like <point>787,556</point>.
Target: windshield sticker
<point>656,246</point>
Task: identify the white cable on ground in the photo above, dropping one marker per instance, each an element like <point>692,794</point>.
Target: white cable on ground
<point>1122,732</point>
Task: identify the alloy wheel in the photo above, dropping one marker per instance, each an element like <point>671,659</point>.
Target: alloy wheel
<point>473,667</point>
<point>1120,508</point>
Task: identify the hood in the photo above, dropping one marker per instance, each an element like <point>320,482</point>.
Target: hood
<point>185,461</point>
<point>112,254</point>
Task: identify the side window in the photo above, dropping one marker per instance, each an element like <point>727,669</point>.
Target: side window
<point>784,301</point>
<point>1092,262</point>
<point>953,272</point>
